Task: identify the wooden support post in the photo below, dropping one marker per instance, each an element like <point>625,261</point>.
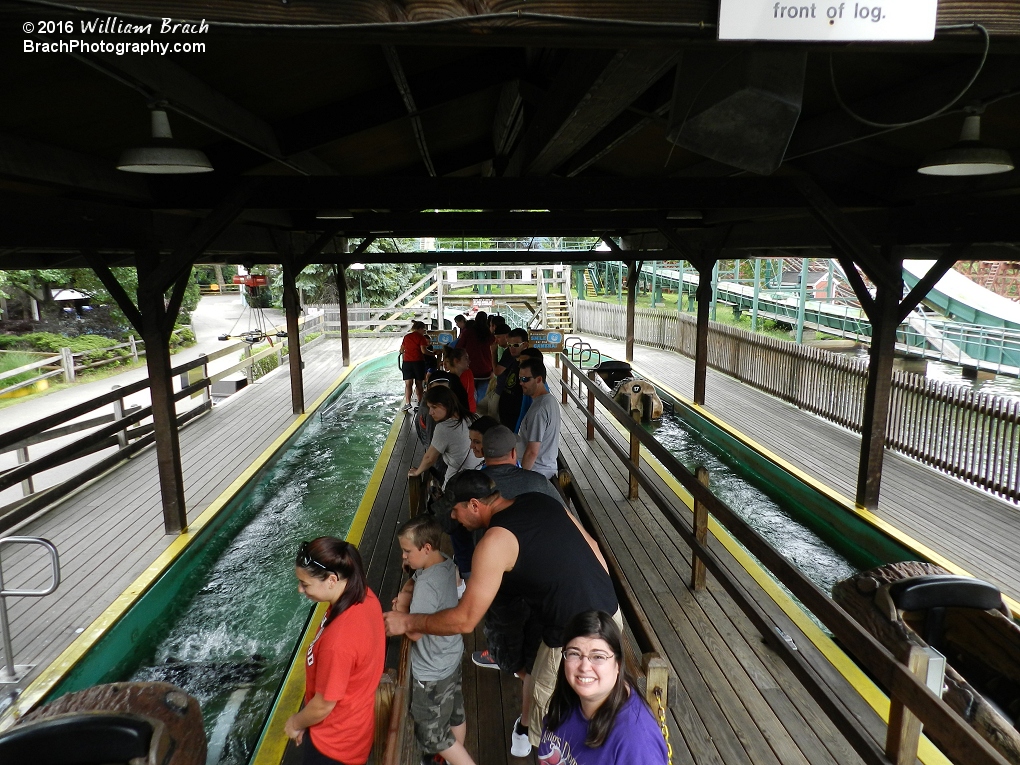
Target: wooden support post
<point>207,388</point>
<point>291,307</point>
<point>704,297</point>
<point>249,370</point>
<point>564,380</point>
<point>156,335</point>
<point>904,732</point>
<point>118,414</point>
<point>590,433</point>
<point>134,347</point>
<point>341,291</point>
<point>632,282</point>
<point>700,533</point>
<point>635,462</point>
<point>656,671</point>
<point>440,309</point>
<point>27,486</point>
<point>416,494</point>
<point>67,364</point>
<point>884,318</point>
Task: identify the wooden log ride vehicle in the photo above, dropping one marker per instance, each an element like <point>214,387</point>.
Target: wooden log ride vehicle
<point>640,398</point>
<point>136,723</point>
<point>921,604</point>
<point>635,395</point>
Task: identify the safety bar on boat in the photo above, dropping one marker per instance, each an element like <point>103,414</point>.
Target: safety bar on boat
<point>10,672</point>
<point>913,704</point>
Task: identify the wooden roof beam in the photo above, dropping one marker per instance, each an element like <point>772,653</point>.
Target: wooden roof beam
<point>397,70</point>
<point>550,193</point>
<point>24,159</point>
<point>845,237</point>
<point>591,89</point>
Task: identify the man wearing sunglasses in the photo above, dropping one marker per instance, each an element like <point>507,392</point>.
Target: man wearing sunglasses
<point>539,438</point>
<point>510,393</point>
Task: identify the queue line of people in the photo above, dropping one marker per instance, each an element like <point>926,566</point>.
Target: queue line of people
<point>521,562</point>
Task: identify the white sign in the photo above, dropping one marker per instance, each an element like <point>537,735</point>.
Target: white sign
<point>827,20</point>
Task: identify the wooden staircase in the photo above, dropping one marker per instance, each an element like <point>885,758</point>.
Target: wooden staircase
<point>557,313</point>
<point>589,286</point>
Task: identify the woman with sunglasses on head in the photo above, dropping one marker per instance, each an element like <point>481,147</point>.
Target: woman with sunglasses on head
<point>596,716</point>
<point>345,660</point>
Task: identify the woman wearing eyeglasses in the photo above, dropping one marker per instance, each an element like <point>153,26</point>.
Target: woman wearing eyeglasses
<point>345,660</point>
<point>596,716</point>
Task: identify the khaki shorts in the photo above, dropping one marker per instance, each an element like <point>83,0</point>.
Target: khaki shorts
<point>544,674</point>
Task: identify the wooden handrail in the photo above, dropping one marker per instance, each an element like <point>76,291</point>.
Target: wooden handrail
<point>942,724</point>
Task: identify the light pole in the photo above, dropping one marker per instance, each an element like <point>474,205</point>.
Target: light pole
<point>359,267</point>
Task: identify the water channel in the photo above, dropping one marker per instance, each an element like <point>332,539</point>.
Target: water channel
<point>231,643</point>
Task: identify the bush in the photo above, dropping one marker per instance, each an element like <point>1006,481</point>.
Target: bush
<point>13,360</point>
<point>92,347</point>
<point>262,367</point>
<point>181,337</point>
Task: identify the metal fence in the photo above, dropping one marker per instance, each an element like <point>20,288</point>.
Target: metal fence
<point>972,436</point>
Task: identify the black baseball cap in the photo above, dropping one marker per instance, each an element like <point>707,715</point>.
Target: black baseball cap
<point>467,484</point>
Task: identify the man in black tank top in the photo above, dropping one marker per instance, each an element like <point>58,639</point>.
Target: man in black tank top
<point>533,549</point>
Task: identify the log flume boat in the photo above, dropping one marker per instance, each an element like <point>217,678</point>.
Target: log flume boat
<point>922,604</point>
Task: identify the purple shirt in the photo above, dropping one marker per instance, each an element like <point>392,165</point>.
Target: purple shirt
<point>635,739</point>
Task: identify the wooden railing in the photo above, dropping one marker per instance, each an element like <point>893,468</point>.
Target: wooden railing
<point>378,320</point>
<point>125,429</point>
<point>912,701</point>
<point>969,435</point>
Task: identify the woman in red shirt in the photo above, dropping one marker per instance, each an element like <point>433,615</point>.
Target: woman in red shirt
<point>458,363</point>
<point>413,346</point>
<point>345,660</point>
<point>477,340</point>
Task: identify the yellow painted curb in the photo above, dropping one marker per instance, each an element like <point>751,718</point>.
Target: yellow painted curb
<point>273,744</point>
<point>928,753</point>
<point>50,677</point>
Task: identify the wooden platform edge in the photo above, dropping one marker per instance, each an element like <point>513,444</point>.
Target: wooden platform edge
<point>50,677</point>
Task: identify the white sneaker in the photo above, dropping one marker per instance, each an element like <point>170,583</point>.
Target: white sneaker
<point>520,746</point>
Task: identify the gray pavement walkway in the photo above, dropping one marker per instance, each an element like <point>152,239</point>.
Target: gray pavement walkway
<point>215,315</point>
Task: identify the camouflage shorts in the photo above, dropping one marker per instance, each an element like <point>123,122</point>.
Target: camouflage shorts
<point>437,707</point>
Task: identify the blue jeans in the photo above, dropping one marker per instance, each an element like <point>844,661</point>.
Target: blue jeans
<point>463,544</point>
<point>481,385</point>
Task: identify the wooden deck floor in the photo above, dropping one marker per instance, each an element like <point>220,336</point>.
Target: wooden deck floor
<point>739,704</point>
<point>492,699</point>
<point>966,525</point>
<point>112,530</point>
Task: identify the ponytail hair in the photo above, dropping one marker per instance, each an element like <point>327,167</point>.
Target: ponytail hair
<point>329,555</point>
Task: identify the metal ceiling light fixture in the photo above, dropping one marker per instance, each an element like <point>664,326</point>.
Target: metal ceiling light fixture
<point>968,156</point>
<point>163,156</point>
<point>334,214</point>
